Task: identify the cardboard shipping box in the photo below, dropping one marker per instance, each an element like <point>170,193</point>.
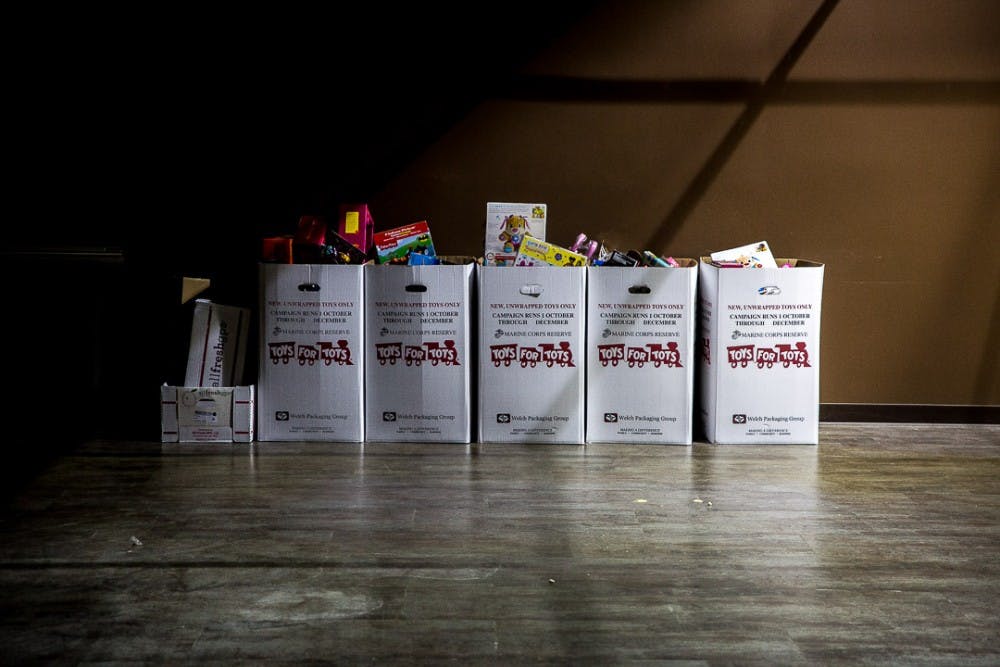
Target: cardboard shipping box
<point>531,354</point>
<point>419,352</point>
<point>206,414</point>
<point>217,352</point>
<point>759,352</point>
<point>311,375</point>
<point>640,353</point>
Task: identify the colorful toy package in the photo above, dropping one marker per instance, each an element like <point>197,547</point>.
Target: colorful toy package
<point>540,253</point>
<point>753,255</point>
<point>506,226</point>
<point>394,246</point>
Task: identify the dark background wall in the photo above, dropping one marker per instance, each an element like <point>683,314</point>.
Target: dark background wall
<point>861,134</point>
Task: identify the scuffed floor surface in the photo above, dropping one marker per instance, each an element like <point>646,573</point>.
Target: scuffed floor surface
<point>880,545</point>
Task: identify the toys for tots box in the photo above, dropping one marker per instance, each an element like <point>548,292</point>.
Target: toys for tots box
<point>310,382</point>
<point>531,354</point>
<point>759,352</point>
<point>418,353</point>
<point>640,353</point>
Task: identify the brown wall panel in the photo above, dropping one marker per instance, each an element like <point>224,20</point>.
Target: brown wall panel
<point>914,40</point>
<point>677,39</point>
<point>902,206</point>
<point>612,170</point>
<point>896,194</point>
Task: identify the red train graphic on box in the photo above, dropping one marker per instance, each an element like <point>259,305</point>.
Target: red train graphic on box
<point>655,354</point>
<point>767,357</point>
<point>550,354</point>
<point>433,352</point>
<point>329,353</point>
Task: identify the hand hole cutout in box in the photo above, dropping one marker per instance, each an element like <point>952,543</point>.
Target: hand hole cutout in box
<point>534,290</point>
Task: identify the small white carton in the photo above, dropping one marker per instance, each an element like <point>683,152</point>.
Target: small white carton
<point>419,352</point>
<point>311,375</point>
<point>640,353</point>
<point>759,361</point>
<point>206,414</point>
<point>531,354</point>
<point>217,352</point>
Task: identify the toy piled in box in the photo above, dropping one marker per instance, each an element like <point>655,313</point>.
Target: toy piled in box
<point>753,256</point>
<point>541,253</point>
<point>356,226</point>
<point>317,241</point>
<point>400,245</point>
<point>506,226</point>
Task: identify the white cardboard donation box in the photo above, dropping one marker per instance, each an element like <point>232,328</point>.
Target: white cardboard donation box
<point>310,381</point>
<point>532,354</point>
<point>759,353</point>
<point>206,414</point>
<point>419,353</point>
<point>640,353</point>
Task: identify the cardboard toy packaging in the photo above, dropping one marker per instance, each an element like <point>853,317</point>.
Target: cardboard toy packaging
<point>311,373</point>
<point>356,226</point>
<point>541,253</point>
<point>206,414</point>
<point>395,246</point>
<point>640,353</point>
<point>217,352</point>
<point>419,352</point>
<point>531,354</point>
<point>507,223</point>
<point>759,352</point>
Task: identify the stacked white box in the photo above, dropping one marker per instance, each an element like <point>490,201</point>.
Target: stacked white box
<point>640,353</point>
<point>419,353</point>
<point>311,353</point>
<point>531,354</point>
<point>760,344</point>
<point>206,414</point>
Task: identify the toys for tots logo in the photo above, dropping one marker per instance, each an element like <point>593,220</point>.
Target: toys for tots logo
<point>329,353</point>
<point>432,352</point>
<point>655,354</point>
<point>767,357</point>
<point>550,354</point>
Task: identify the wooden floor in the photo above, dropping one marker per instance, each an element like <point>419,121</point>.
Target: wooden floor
<point>880,545</point>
